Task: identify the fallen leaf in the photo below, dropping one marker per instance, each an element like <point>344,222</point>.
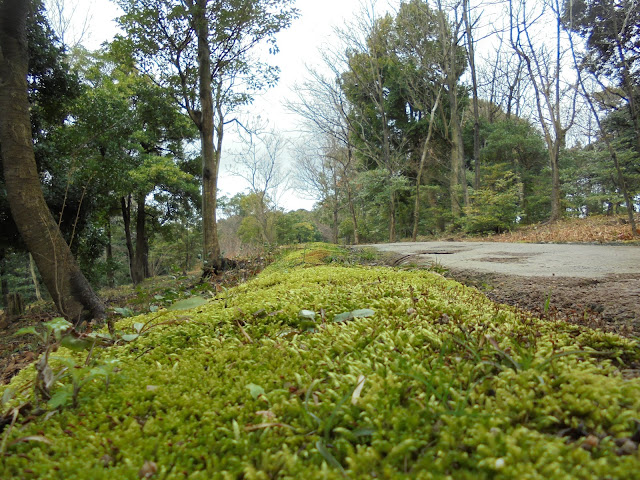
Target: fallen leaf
<point>268,414</point>
<point>356,393</point>
<point>148,470</point>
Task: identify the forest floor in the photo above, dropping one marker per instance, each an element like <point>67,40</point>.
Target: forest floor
<point>16,352</point>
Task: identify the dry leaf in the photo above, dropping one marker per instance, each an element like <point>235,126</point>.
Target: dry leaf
<point>148,470</point>
<point>356,393</point>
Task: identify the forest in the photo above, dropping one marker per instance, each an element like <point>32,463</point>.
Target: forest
<point>409,132</point>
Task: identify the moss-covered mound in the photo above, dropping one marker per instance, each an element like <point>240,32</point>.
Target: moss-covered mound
<point>436,382</point>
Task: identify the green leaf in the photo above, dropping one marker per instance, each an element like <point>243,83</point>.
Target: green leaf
<point>27,331</point>
<point>7,396</point>
<point>60,398</point>
<point>343,317</point>
<point>76,344</point>
<point>137,326</point>
<point>159,297</point>
<point>58,325</point>
<point>153,308</point>
<point>188,303</point>
<point>308,314</point>
<point>364,432</point>
<point>129,337</point>
<point>328,456</point>
<point>124,311</point>
<point>255,390</point>
<point>362,313</point>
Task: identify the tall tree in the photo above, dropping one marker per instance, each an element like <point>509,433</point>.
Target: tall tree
<point>453,65</point>
<point>555,104</point>
<point>68,287</point>
<point>612,31</point>
<point>201,49</point>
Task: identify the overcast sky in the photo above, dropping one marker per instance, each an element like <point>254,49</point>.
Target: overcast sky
<point>299,45</point>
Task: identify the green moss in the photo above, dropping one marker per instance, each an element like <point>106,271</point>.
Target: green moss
<point>455,386</point>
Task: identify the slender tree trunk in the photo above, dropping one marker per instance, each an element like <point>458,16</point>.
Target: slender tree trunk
<point>352,207</point>
<point>423,158</point>
<point>140,269</point>
<point>211,257</point>
<point>4,284</point>
<point>126,218</point>
<point>474,81</point>
<point>556,212</point>
<point>392,217</point>
<point>71,293</point>
<point>34,277</point>
<point>612,152</point>
<point>110,276</point>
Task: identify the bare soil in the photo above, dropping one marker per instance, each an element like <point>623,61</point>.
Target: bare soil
<point>611,303</point>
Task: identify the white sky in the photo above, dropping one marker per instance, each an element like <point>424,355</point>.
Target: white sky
<point>299,46</point>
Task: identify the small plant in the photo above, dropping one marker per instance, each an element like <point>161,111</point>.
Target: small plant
<point>51,335</point>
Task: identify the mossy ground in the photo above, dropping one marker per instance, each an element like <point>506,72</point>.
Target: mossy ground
<point>438,383</point>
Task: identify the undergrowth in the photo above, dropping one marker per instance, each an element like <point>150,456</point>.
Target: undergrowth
<point>424,378</point>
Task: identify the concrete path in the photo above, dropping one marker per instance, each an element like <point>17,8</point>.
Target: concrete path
<point>525,259</point>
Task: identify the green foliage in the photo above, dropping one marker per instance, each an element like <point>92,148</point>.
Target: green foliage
<point>495,207</point>
<point>440,382</point>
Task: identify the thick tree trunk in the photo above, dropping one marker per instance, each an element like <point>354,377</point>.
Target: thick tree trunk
<point>15,306</point>
<point>212,257</point>
<point>71,293</point>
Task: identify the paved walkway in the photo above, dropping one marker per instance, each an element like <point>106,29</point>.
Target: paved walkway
<point>525,259</point>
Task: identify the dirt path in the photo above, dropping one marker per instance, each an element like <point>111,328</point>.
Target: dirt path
<point>596,285</point>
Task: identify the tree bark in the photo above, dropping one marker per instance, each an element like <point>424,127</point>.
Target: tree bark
<point>474,81</point>
<point>423,158</point>
<point>141,257</point>
<point>125,205</point>
<point>71,293</point>
<point>212,257</point>
<point>34,277</point>
<point>110,276</point>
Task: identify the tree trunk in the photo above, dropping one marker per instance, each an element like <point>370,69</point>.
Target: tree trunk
<point>211,257</point>
<point>126,218</point>
<point>556,210</point>
<point>4,284</point>
<point>15,306</point>
<point>352,207</point>
<point>392,217</point>
<point>111,282</point>
<point>141,257</point>
<point>71,293</point>
<point>423,158</point>
<point>474,81</point>
<point>34,277</point>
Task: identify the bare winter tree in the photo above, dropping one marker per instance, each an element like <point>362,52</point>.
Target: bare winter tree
<point>260,165</point>
<point>555,101</point>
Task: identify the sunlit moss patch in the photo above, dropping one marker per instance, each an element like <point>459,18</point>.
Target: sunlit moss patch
<point>438,382</point>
